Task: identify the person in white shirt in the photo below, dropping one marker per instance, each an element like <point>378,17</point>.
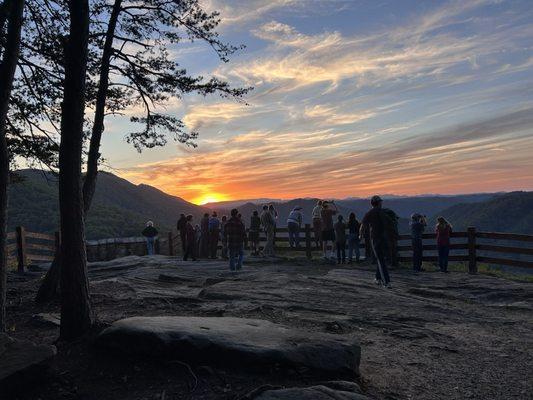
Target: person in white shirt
<point>317,223</point>
<point>294,223</point>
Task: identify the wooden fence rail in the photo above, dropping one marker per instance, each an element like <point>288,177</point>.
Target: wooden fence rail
<point>25,247</point>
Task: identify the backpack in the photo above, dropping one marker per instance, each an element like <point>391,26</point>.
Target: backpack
<point>390,222</point>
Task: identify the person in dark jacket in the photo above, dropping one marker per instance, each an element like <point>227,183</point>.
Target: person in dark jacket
<point>150,233</point>
<point>235,235</point>
<point>418,225</point>
<point>443,231</point>
<point>224,244</point>
<point>182,230</point>
<point>373,224</point>
<point>253,234</point>
<point>340,239</point>
<point>190,240</point>
<point>204,236</point>
<point>214,233</point>
<point>353,238</point>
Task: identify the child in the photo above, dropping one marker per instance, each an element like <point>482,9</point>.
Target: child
<point>340,240</point>
<point>443,231</point>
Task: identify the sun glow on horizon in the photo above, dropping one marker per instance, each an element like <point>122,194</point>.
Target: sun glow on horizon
<point>208,198</point>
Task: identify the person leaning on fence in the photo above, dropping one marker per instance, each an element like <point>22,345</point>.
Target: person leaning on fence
<point>373,224</point>
<point>214,233</point>
<point>224,246</point>
<point>317,223</point>
<point>235,235</point>
<point>443,231</point>
<point>340,240</point>
<point>150,233</point>
<point>353,238</point>
<point>182,230</point>
<point>418,225</point>
<point>190,240</point>
<point>328,231</point>
<point>253,233</point>
<point>269,225</point>
<point>294,224</point>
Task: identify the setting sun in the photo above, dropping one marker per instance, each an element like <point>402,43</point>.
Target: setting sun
<point>209,198</point>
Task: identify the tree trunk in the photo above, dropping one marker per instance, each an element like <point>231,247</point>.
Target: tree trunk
<point>89,185</point>
<point>7,74</point>
<point>75,301</point>
<point>49,288</point>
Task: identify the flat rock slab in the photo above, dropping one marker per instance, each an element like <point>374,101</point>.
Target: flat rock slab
<point>318,392</point>
<point>233,341</point>
<point>22,362</point>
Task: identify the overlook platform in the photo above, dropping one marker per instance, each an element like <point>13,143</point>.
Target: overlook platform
<point>431,336</point>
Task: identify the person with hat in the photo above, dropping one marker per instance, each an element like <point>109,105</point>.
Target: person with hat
<point>373,224</point>
<point>294,223</point>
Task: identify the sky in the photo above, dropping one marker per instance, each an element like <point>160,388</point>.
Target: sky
<point>352,98</point>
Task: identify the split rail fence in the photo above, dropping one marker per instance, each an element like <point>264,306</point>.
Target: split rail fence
<point>509,249</point>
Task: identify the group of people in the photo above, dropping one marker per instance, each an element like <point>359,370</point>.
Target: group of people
<point>378,230</point>
<point>443,230</point>
<point>201,240</point>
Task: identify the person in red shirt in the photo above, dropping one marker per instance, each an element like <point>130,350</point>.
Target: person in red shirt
<point>443,231</point>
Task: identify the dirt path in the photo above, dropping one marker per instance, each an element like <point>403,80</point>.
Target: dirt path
<point>433,336</point>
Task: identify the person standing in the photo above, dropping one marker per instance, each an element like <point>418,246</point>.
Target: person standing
<point>150,234</point>
<point>328,231</point>
<point>269,225</point>
<point>235,235</point>
<point>294,224</point>
<point>443,231</point>
<point>190,240</point>
<point>373,224</point>
<point>255,225</point>
<point>204,236</point>
<point>340,240</point>
<point>214,233</point>
<point>353,238</point>
<point>224,246</point>
<point>317,223</point>
<point>417,230</point>
<point>182,230</point>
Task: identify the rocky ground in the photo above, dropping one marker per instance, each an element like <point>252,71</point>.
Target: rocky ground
<point>432,336</point>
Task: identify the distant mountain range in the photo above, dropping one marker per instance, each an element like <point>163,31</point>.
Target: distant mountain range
<point>122,208</point>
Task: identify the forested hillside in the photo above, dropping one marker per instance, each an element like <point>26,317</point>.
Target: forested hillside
<point>510,212</point>
<point>120,208</point>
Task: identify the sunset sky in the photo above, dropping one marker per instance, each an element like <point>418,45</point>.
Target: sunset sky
<point>352,98</point>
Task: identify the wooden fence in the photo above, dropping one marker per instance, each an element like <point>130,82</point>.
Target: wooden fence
<point>470,247</point>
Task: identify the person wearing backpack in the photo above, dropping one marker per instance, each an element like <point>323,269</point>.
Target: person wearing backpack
<point>150,234</point>
<point>373,223</point>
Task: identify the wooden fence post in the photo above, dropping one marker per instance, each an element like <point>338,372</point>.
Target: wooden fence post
<point>170,244</point>
<point>308,241</point>
<point>472,257</point>
<point>21,248</point>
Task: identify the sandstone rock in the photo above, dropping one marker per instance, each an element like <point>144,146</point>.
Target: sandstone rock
<point>230,341</point>
<point>22,362</point>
